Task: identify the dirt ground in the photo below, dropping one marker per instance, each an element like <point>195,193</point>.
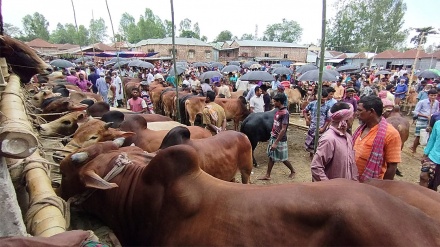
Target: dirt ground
<point>299,158</point>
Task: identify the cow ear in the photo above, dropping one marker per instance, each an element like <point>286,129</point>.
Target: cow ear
<point>127,134</point>
<point>93,180</point>
<point>108,125</point>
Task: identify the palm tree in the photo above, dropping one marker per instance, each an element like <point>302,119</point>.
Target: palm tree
<point>422,32</point>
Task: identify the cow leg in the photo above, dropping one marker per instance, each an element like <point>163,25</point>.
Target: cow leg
<point>236,122</point>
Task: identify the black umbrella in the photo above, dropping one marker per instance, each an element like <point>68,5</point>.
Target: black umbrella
<point>217,65</point>
<point>334,72</point>
<point>61,63</point>
<point>248,64</point>
<point>209,75</point>
<point>282,71</point>
<point>257,76</point>
<point>277,65</point>
<point>200,64</point>
<point>428,74</point>
<point>303,69</point>
<point>180,69</point>
<point>120,64</point>
<point>145,65</point>
<point>383,72</point>
<point>348,67</point>
<point>234,63</point>
<point>230,68</point>
<point>313,75</point>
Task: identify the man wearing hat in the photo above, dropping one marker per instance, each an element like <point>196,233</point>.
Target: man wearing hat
<point>350,99</point>
<point>277,150</point>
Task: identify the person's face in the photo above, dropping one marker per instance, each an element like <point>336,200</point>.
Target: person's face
<point>108,80</point>
<point>323,99</point>
<point>363,114</point>
<point>349,94</point>
<point>276,103</point>
<point>81,76</point>
<point>146,87</point>
<point>402,82</point>
<point>258,92</point>
<point>432,97</point>
<point>330,96</point>
<point>135,94</point>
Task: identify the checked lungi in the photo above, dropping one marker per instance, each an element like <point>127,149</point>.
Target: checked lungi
<point>280,153</point>
<point>420,124</point>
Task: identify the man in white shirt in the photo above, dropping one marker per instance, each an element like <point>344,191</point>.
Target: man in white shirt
<point>256,104</point>
<point>119,97</point>
<point>186,81</point>
<point>150,77</point>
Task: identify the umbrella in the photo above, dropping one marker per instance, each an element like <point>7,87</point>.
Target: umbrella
<point>200,64</point>
<point>248,64</point>
<point>303,69</point>
<point>230,68</point>
<point>383,72</point>
<point>332,71</point>
<point>180,69</point>
<point>134,63</point>
<point>234,63</point>
<point>217,65</point>
<point>120,64</point>
<point>428,74</point>
<point>257,76</point>
<point>313,75</point>
<point>90,63</point>
<point>210,75</point>
<point>347,68</point>
<point>145,65</point>
<point>435,71</point>
<point>282,71</point>
<point>276,65</point>
<point>61,63</point>
<point>255,66</point>
<point>82,59</point>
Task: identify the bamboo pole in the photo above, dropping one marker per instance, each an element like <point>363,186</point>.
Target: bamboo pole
<point>45,216</point>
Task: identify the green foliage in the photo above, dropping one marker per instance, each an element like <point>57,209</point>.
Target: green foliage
<point>224,36</point>
<point>35,26</point>
<point>150,26</point>
<point>12,30</point>
<point>364,25</point>
<point>422,32</point>
<point>82,38</point>
<point>187,30</point>
<point>286,31</point>
<point>168,28</point>
<point>247,36</point>
<point>97,30</point>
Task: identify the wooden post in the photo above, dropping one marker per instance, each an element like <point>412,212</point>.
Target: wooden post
<point>45,216</point>
<point>16,137</point>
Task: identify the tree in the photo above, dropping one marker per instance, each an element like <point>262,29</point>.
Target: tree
<point>425,32</point>
<point>12,30</point>
<point>186,31</point>
<point>97,30</point>
<point>185,25</point>
<point>119,37</point>
<point>59,35</point>
<point>35,26</point>
<point>224,36</point>
<point>367,25</point>
<point>82,37</point>
<point>150,26</point>
<point>124,24</point>
<point>204,38</point>
<point>168,28</point>
<point>286,31</point>
<point>247,36</point>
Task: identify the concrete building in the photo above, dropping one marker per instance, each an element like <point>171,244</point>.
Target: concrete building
<point>390,59</point>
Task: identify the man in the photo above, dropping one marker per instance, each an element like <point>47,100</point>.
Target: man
<point>430,172</point>
<point>102,87</point>
<point>92,78</point>
<point>390,96</point>
<point>256,104</point>
<point>366,90</point>
<point>330,100</point>
<point>376,143</point>
<point>206,87</point>
<point>186,81</point>
<point>266,98</point>
<point>400,91</point>
<point>277,150</point>
<point>275,84</point>
<point>135,103</point>
<point>83,84</point>
<point>423,94</point>
<point>145,95</point>
<point>251,91</point>
<point>150,77</point>
<point>423,111</point>
<point>311,117</point>
<point>214,116</point>
<point>72,78</point>
<point>116,81</point>
<point>334,157</point>
<point>194,82</point>
<point>339,91</point>
<point>223,89</point>
<point>349,98</point>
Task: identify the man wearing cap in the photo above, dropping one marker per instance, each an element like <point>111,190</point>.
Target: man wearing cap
<point>278,150</point>
<point>350,99</point>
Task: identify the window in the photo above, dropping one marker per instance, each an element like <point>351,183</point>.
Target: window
<point>208,54</point>
<point>227,54</point>
<point>150,50</point>
<point>191,53</point>
<point>285,55</point>
<point>266,54</point>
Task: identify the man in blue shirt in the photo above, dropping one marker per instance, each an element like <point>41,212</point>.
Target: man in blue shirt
<point>92,78</point>
<point>430,173</point>
<point>400,91</point>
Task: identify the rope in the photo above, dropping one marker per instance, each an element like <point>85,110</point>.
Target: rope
<point>49,114</point>
<point>36,206</point>
<point>16,94</point>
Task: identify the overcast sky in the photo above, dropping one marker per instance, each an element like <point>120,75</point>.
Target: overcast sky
<point>237,16</point>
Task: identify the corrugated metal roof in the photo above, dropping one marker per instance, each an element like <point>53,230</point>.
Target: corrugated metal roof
<point>40,43</point>
<point>169,41</point>
<point>268,44</point>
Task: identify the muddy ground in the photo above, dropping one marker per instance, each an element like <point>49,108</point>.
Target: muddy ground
<point>410,167</point>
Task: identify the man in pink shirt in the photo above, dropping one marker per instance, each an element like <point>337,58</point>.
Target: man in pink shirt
<point>135,103</point>
<point>334,157</point>
<point>72,78</point>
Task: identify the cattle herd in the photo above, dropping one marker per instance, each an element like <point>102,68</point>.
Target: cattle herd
<point>155,181</point>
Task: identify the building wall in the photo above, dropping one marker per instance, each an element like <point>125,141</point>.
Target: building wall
<point>422,64</point>
<point>358,62</point>
<point>246,52</point>
<point>183,52</point>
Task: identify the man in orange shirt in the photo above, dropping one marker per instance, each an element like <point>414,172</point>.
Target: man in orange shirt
<point>376,142</point>
<point>339,91</point>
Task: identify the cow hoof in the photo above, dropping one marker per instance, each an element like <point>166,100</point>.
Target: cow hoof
<point>255,165</point>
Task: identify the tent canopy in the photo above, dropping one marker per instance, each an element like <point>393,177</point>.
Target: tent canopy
<point>124,54</point>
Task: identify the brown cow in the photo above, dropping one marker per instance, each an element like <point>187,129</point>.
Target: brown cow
<point>235,109</point>
<point>59,105</point>
<point>63,126</point>
<point>294,98</point>
<point>400,123</point>
<point>150,140</point>
<point>80,96</point>
<point>230,146</point>
<point>171,201</point>
<point>411,101</point>
<point>38,98</point>
<point>169,102</point>
<point>194,106</point>
<point>236,94</point>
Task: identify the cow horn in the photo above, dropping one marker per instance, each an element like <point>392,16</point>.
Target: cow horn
<point>79,158</point>
<point>93,180</point>
<point>108,125</point>
<point>119,141</point>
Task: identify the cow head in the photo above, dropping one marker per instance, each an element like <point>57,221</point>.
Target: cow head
<point>63,104</point>
<point>89,133</point>
<point>78,170</point>
<point>38,98</point>
<point>65,125</point>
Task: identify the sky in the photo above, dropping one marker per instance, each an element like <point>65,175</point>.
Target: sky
<point>237,16</point>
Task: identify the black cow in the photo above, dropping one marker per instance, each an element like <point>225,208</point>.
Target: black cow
<point>257,127</point>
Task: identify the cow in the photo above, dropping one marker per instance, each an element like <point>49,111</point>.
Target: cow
<point>168,200</point>
<point>39,97</point>
<point>400,123</point>
<point>59,105</point>
<point>117,117</point>
<point>150,140</point>
<point>168,102</point>
<point>230,146</point>
<point>193,107</point>
<point>98,109</point>
<point>235,109</point>
<point>257,127</point>
<point>293,98</point>
<point>63,126</point>
<point>237,94</point>
<point>411,101</point>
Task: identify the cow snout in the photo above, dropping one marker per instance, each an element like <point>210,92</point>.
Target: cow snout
<point>58,157</point>
<point>65,140</point>
<point>38,127</point>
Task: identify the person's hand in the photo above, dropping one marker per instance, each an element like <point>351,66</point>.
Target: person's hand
<point>274,146</point>
<point>424,159</point>
<point>321,130</point>
<point>428,129</point>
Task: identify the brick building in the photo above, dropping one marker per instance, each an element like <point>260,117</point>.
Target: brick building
<point>42,45</point>
<point>187,49</point>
